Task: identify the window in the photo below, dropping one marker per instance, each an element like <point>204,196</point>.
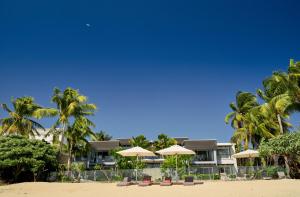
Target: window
<point>224,153</point>
<point>205,155</point>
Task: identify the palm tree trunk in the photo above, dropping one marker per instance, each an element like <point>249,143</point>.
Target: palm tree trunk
<point>62,137</point>
<point>280,123</point>
<point>69,158</point>
<point>286,162</point>
<point>246,143</point>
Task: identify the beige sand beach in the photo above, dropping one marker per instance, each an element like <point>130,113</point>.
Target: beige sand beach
<point>274,188</point>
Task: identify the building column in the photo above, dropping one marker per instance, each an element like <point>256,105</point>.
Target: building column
<point>232,151</point>
<point>215,157</point>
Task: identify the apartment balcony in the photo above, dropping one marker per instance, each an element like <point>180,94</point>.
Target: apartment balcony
<point>226,161</point>
<point>154,159</point>
<point>204,160</point>
<point>106,160</point>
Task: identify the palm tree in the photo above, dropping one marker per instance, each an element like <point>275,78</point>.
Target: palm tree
<point>76,136</point>
<point>70,103</point>
<point>20,120</point>
<point>102,136</point>
<point>279,105</point>
<point>163,141</point>
<point>141,141</point>
<point>277,95</point>
<point>245,101</point>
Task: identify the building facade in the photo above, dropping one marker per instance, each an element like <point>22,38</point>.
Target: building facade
<point>209,153</point>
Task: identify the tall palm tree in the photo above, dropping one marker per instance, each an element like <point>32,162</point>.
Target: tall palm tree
<point>21,117</point>
<point>163,141</point>
<point>141,141</point>
<point>279,105</point>
<point>277,95</point>
<point>244,102</point>
<point>76,136</point>
<point>102,136</point>
<point>70,103</point>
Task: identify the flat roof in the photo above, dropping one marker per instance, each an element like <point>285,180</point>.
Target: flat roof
<point>200,144</point>
<point>105,145</point>
<point>225,144</point>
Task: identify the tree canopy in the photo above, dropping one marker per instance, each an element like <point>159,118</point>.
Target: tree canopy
<point>253,121</point>
<point>23,159</point>
<point>140,141</point>
<point>163,141</point>
<point>102,136</point>
<point>21,117</point>
<point>287,144</point>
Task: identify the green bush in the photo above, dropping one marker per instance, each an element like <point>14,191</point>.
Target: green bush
<point>232,176</point>
<point>97,167</point>
<point>23,159</point>
<point>272,171</point>
<point>203,176</point>
<point>78,167</point>
<point>66,178</point>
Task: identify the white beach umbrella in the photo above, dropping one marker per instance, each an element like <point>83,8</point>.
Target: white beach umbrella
<point>176,150</point>
<point>246,154</point>
<point>135,152</point>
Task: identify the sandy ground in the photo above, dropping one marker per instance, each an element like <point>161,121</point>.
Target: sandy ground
<point>274,188</point>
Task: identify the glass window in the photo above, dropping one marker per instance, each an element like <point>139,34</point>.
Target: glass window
<point>223,153</point>
<point>205,155</point>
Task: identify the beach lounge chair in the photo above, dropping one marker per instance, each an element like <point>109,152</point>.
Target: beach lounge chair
<point>126,182</point>
<point>166,182</point>
<point>146,181</point>
<point>189,180</point>
<point>281,175</point>
<point>265,176</point>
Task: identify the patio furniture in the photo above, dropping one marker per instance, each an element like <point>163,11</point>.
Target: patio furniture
<point>281,175</point>
<point>146,181</point>
<point>189,180</point>
<point>126,182</point>
<point>265,176</point>
<point>166,182</point>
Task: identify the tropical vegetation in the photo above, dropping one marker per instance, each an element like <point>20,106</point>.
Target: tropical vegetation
<point>101,136</point>
<point>22,118</point>
<point>257,123</point>
<point>70,104</point>
<point>28,160</point>
<point>287,145</point>
<point>252,120</point>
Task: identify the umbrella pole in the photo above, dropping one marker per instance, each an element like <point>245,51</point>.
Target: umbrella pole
<point>136,167</point>
<point>176,169</point>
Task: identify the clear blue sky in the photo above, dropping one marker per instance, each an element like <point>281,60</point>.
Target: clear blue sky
<point>150,66</point>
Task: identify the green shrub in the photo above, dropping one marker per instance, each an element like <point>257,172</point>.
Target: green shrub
<point>66,178</point>
<point>78,167</point>
<point>23,159</point>
<point>203,176</point>
<point>232,176</point>
<point>271,171</point>
<point>97,167</point>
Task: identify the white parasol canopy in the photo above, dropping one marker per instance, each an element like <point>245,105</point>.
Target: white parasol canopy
<point>176,150</point>
<point>135,152</point>
<point>246,154</point>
